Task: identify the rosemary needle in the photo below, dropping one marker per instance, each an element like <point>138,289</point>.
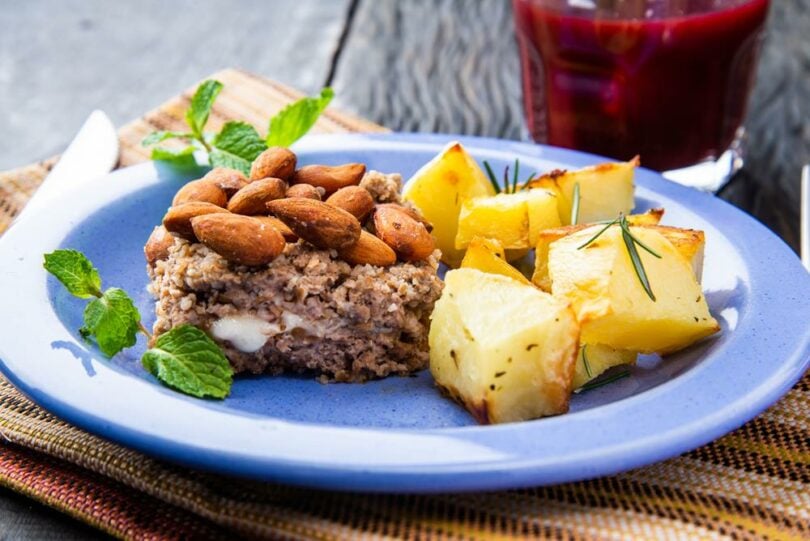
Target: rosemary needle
<point>626,227</point>
<point>575,205</point>
<point>492,179</point>
<point>585,361</point>
<point>515,176</point>
<point>635,258</point>
<point>602,382</point>
<point>599,234</point>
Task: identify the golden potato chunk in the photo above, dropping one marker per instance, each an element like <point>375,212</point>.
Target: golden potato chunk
<point>594,359</point>
<point>605,190</point>
<point>504,350</point>
<point>540,276</point>
<point>514,219</point>
<point>439,189</point>
<point>600,281</point>
<point>487,255</point>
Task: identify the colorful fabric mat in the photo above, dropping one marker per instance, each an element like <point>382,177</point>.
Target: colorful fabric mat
<point>751,484</point>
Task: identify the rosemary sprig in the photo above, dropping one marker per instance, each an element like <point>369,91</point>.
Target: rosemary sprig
<point>512,185</point>
<point>630,242</point>
<point>591,385</point>
<point>638,266</point>
<point>492,179</point>
<point>626,227</point>
<point>599,234</point>
<point>575,205</point>
<point>585,360</point>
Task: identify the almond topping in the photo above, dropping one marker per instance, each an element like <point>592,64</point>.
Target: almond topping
<point>320,224</point>
<point>354,200</point>
<point>178,219</point>
<point>285,231</point>
<point>229,181</point>
<point>157,247</point>
<point>330,178</point>
<point>239,239</point>
<point>368,250</point>
<point>276,162</point>
<point>200,190</point>
<point>304,190</point>
<point>408,237</point>
<point>253,198</point>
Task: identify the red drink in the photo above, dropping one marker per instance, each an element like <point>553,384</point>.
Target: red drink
<point>668,80</point>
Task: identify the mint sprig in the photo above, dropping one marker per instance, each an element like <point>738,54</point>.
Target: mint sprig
<point>201,104</point>
<point>112,320</point>
<point>237,144</point>
<point>295,120</point>
<point>184,358</point>
<point>75,271</point>
<point>180,158</point>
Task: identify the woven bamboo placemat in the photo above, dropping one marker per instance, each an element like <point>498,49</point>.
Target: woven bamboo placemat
<point>751,484</point>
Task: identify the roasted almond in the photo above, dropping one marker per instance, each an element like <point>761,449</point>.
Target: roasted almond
<point>253,198</point>
<point>368,250</point>
<point>178,219</point>
<point>276,162</point>
<point>354,200</point>
<point>330,178</point>
<point>285,231</point>
<point>230,181</point>
<point>316,222</point>
<point>200,190</point>
<point>157,247</point>
<point>239,239</point>
<point>306,191</point>
<point>408,237</point>
<point>413,213</point>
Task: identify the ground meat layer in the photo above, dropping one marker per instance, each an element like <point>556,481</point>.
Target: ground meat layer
<point>325,316</point>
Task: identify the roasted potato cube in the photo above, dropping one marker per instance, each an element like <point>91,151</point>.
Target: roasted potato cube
<point>605,190</point>
<point>691,243</point>
<point>594,359</point>
<point>514,219</point>
<point>487,255</point>
<point>438,190</point>
<point>613,308</point>
<point>504,350</point>
<point>540,276</point>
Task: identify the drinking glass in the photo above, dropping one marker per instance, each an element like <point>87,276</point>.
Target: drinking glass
<point>668,80</point>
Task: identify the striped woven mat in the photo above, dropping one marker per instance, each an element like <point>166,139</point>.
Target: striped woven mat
<point>751,484</point>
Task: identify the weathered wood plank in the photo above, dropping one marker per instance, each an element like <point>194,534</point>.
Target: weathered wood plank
<point>434,66</point>
<point>451,66</point>
<point>60,60</point>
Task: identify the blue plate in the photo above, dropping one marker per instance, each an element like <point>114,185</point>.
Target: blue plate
<point>398,434</point>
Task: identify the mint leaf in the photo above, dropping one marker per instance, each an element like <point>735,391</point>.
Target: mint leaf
<point>201,103</point>
<point>159,136</point>
<point>218,158</point>
<point>186,359</point>
<point>239,139</point>
<point>182,158</point>
<point>75,271</point>
<point>295,120</point>
<point>112,320</point>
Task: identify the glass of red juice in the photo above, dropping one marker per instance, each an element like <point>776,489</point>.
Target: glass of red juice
<point>668,80</point>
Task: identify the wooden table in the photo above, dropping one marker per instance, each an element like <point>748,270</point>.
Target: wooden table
<point>411,65</point>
